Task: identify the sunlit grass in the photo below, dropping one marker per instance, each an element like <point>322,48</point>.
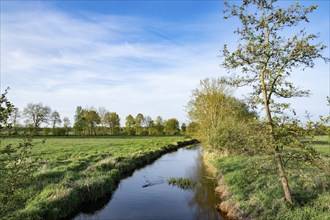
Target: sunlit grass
<point>254,182</point>
<point>73,170</point>
<point>322,144</point>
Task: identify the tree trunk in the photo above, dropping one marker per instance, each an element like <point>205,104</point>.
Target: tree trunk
<point>284,181</point>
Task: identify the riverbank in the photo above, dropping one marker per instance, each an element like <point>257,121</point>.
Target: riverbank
<point>228,205</point>
<point>79,176</point>
<point>249,187</point>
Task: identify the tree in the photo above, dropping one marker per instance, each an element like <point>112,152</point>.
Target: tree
<point>150,125</point>
<point>79,121</point>
<point>14,121</point>
<point>224,122</point>
<point>66,125</point>
<point>130,123</point>
<point>102,111</point>
<point>55,119</point>
<point>159,126</point>
<point>16,170</point>
<point>266,56</point>
<point>35,114</point>
<point>183,128</point>
<point>6,109</point>
<point>113,121</point>
<point>139,122</point>
<point>192,129</point>
<point>92,119</point>
<point>171,126</point>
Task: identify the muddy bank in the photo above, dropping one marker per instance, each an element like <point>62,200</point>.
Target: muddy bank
<point>228,205</point>
<point>67,200</point>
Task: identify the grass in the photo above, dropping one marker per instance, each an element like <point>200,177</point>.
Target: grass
<point>183,183</point>
<point>75,170</point>
<point>253,182</point>
<point>322,144</point>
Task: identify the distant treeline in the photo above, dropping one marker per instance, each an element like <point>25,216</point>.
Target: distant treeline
<point>88,122</point>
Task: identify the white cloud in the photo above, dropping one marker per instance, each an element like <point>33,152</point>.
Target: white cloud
<point>127,64</point>
<point>101,61</point>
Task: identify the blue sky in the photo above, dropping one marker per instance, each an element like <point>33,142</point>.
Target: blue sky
<point>128,56</point>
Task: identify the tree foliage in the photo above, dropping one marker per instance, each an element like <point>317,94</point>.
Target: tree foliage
<point>35,114</point>
<point>130,123</point>
<point>102,111</point>
<point>113,121</point>
<point>16,171</point>
<point>92,119</point>
<point>79,121</point>
<point>6,108</point>
<point>265,57</point>
<point>139,123</point>
<point>224,123</point>
<point>171,126</point>
<point>66,125</point>
<point>55,119</point>
<point>159,126</point>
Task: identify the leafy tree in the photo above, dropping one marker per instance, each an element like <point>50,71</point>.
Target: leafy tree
<point>192,129</point>
<point>150,125</point>
<point>66,125</point>
<point>6,109</point>
<point>159,126</point>
<point>139,122</point>
<point>55,119</point>
<point>183,128</point>
<point>14,121</point>
<point>224,123</point>
<point>113,121</point>
<point>79,121</point>
<point>102,111</point>
<point>265,57</point>
<point>16,171</point>
<point>35,114</point>
<point>92,119</point>
<point>171,126</point>
<point>130,123</point>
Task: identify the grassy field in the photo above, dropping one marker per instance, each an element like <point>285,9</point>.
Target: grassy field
<point>322,145</point>
<point>255,187</point>
<point>75,170</point>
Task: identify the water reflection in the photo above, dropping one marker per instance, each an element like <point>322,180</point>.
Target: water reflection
<point>159,200</point>
<point>203,199</point>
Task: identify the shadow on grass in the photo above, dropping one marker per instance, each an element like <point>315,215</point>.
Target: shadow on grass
<point>326,143</point>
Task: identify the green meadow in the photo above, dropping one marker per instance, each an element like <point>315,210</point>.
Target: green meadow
<point>69,171</point>
<point>322,145</point>
<point>254,184</point>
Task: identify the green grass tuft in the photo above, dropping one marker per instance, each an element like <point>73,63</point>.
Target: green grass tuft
<point>183,183</point>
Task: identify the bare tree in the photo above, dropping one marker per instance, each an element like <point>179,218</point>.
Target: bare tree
<point>35,114</point>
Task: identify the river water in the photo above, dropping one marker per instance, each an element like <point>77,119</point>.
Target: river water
<point>147,195</point>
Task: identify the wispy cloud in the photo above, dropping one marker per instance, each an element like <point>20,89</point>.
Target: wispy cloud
<point>131,64</point>
<point>128,64</point>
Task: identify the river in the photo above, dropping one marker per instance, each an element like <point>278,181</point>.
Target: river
<point>147,195</point>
